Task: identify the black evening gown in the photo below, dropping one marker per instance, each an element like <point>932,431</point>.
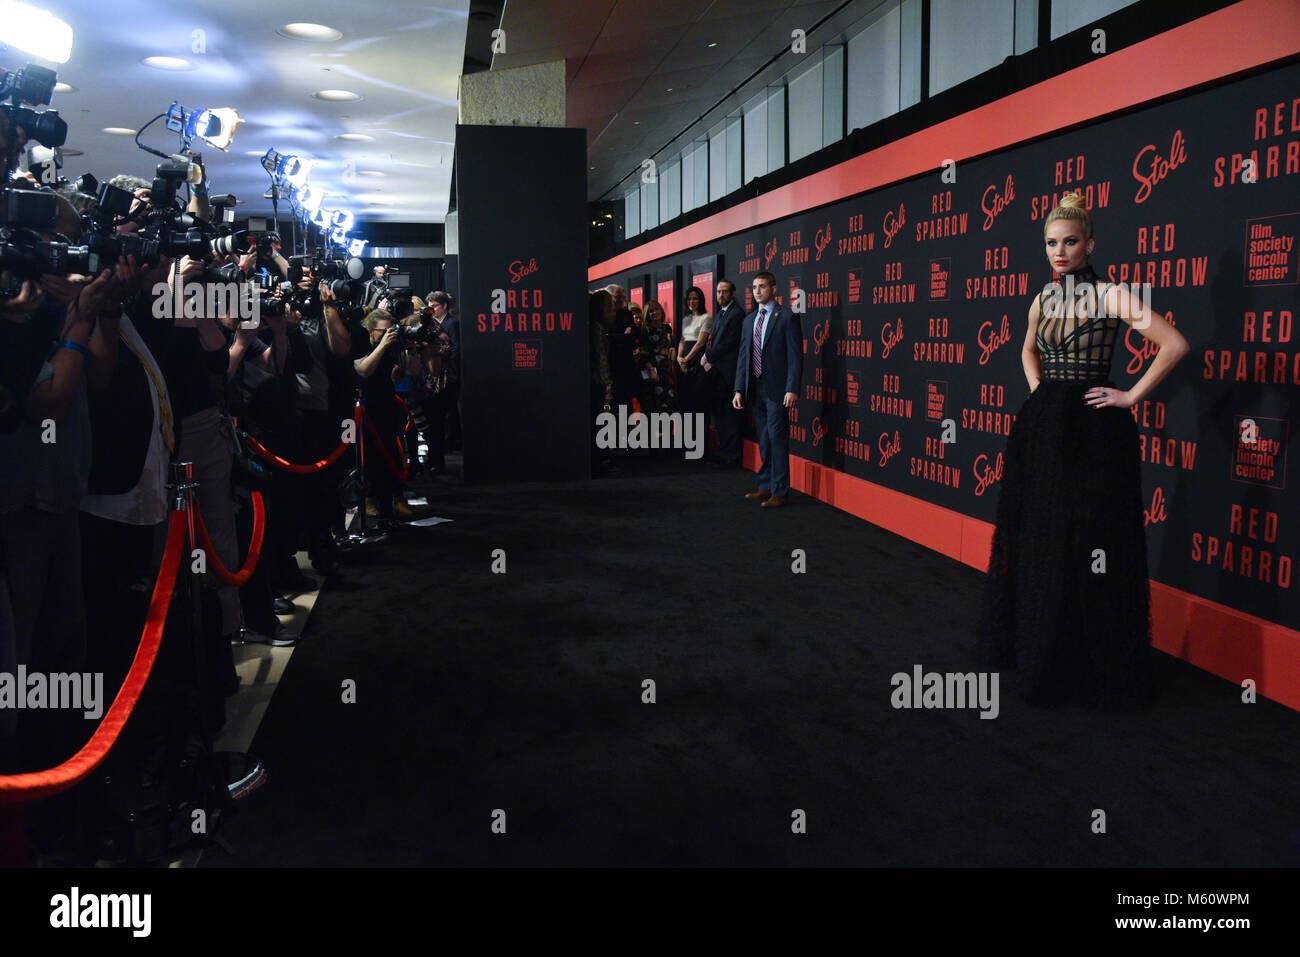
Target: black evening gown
<point>1067,605</point>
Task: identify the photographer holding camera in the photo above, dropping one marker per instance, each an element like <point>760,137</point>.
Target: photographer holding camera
<point>262,393</point>
<point>329,342</point>
<point>379,372</point>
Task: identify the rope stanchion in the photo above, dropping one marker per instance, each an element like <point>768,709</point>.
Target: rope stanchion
<point>287,466</point>
<point>224,575</point>
<point>402,474</point>
<point>37,784</point>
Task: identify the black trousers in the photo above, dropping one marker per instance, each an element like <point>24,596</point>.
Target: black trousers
<point>731,423</point>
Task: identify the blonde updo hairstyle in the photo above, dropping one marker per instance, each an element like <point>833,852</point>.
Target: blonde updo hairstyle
<point>1072,207</point>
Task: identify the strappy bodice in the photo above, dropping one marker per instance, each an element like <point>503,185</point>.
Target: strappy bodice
<point>1075,336</point>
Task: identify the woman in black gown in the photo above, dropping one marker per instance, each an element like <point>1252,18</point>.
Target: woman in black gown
<point>1067,601</point>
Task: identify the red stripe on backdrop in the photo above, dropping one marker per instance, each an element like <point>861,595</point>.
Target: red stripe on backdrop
<point>1236,38</point>
<point>1184,625</point>
<point>1222,640</point>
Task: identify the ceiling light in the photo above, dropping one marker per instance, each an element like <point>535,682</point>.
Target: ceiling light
<point>355,137</point>
<point>713,44</point>
<point>312,32</point>
<point>64,88</point>
<point>370,172</point>
<point>118,131</point>
<point>669,90</point>
<point>167,63</point>
<point>336,96</point>
<point>37,32</point>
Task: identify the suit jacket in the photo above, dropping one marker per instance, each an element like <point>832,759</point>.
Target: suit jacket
<point>782,354</point>
<point>724,346</point>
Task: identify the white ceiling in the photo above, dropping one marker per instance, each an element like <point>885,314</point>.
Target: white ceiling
<point>403,57</point>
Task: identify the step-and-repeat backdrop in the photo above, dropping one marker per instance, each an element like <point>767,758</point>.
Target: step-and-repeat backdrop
<point>917,298</point>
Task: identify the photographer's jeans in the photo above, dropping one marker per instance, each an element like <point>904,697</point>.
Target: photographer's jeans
<point>208,442</point>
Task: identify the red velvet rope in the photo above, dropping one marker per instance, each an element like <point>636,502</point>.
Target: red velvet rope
<point>410,419</point>
<point>225,576</point>
<point>37,784</point>
<point>288,466</point>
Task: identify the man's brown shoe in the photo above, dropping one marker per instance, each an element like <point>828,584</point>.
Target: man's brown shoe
<point>761,493</point>
<point>775,502</point>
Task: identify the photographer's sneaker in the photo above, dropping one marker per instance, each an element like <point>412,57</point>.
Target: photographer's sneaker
<point>402,510</point>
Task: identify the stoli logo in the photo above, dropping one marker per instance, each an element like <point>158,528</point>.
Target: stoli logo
<point>890,337</point>
<point>518,270</point>
<point>992,207</point>
<point>769,251</point>
<point>1156,513</point>
<point>822,240</point>
<point>1143,350</point>
<point>984,475</point>
<point>1158,168</point>
<point>991,341</point>
<point>818,431</point>
<point>821,332</point>
<point>892,225</point>
<point>888,448</point>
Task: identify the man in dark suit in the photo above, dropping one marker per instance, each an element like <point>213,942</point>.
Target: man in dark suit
<point>723,350</point>
<point>768,371</point>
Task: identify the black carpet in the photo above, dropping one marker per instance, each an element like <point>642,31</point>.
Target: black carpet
<point>523,692</point>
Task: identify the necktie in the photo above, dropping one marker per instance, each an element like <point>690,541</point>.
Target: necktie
<point>757,349</point>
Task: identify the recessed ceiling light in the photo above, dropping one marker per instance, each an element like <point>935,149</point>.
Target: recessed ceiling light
<point>336,96</point>
<point>370,172</point>
<point>167,63</point>
<point>669,90</point>
<point>713,44</point>
<point>636,122</point>
<point>355,137</point>
<point>313,32</point>
<point>64,88</point>
<point>118,131</point>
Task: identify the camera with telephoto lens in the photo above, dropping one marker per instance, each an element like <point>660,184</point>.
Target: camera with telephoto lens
<point>340,275</point>
<point>99,226</point>
<point>417,335</point>
<point>35,85</point>
<point>26,214</point>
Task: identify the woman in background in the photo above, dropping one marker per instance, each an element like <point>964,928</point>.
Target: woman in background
<point>693,383</point>
<point>655,360</point>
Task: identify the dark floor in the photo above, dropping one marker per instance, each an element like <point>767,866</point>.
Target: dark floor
<point>523,692</point>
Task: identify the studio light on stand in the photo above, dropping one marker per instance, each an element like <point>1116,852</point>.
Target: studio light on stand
<point>35,31</point>
<point>214,127</point>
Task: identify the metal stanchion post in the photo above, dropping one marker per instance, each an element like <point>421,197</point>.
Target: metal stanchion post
<point>183,486</point>
<point>361,536</point>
